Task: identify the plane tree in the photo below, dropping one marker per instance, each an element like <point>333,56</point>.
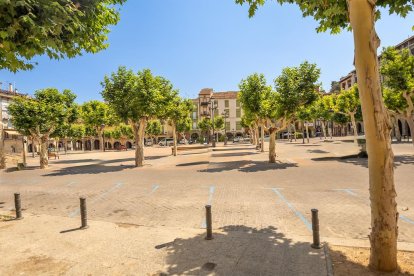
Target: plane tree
<point>58,29</point>
<point>397,68</point>
<point>178,115</point>
<point>360,16</point>
<point>136,99</point>
<point>297,89</point>
<point>97,115</point>
<point>41,115</point>
<point>153,129</point>
<point>253,93</point>
<point>347,103</point>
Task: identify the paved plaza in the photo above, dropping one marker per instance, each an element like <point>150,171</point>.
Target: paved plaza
<point>156,214</point>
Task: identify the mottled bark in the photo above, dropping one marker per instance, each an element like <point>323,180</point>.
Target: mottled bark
<point>354,127</point>
<point>262,138</point>
<point>272,145</point>
<point>44,159</point>
<point>174,131</point>
<point>139,133</point>
<point>324,129</point>
<point>384,215</point>
<point>410,122</point>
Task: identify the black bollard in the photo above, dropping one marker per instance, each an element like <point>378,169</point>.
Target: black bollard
<point>18,206</point>
<point>315,229</point>
<point>209,226</point>
<point>83,213</point>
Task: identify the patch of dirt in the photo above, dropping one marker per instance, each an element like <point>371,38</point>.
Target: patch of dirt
<point>41,265</point>
<point>127,225</point>
<point>6,218</point>
<point>354,261</point>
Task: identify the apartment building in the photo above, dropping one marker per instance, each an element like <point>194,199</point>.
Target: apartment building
<point>349,80</point>
<point>211,103</point>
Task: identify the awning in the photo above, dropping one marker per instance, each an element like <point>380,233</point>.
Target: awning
<point>12,132</point>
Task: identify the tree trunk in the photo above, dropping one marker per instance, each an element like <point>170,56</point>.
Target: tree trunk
<point>101,140</point>
<point>307,132</point>
<point>33,147</point>
<point>354,128</point>
<point>44,159</point>
<point>294,129</point>
<point>272,146</point>
<point>24,151</point>
<point>262,138</point>
<point>384,215</point>
<point>410,122</point>
<point>174,151</point>
<point>139,132</point>
<point>324,129</point>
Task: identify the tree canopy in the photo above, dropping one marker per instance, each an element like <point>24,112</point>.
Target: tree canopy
<point>63,28</point>
<point>332,15</point>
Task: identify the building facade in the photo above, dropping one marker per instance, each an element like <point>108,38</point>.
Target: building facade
<point>400,124</point>
<point>209,104</point>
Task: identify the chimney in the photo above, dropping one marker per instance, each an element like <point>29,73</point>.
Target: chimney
<point>10,87</point>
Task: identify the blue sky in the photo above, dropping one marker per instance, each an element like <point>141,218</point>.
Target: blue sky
<point>205,43</point>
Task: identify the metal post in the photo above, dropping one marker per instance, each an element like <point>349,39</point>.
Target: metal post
<point>18,206</point>
<point>83,212</point>
<point>209,223</point>
<point>315,229</point>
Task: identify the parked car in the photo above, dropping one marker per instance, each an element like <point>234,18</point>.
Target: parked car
<point>166,142</point>
<point>236,139</point>
<point>148,142</point>
<point>183,141</point>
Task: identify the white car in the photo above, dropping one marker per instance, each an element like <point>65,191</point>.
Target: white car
<point>166,142</point>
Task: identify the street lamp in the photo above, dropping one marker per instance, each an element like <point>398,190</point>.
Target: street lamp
<point>225,114</point>
<point>213,107</point>
<point>103,137</point>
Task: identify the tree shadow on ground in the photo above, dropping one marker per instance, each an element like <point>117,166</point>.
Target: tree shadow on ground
<point>246,166</point>
<point>363,162</point>
<point>317,151</point>
<point>99,161</point>
<point>343,266</point>
<point>89,169</point>
<point>233,154</point>
<point>233,149</point>
<point>307,145</point>
<point>242,250</point>
<point>192,164</point>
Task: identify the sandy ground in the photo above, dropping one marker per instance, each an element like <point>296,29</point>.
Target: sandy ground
<point>151,220</point>
<point>354,261</point>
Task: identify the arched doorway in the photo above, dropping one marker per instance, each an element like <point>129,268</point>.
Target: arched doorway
<point>117,145</point>
<point>407,127</point>
<point>194,136</point>
<point>30,148</point>
<point>128,145</point>
<point>359,128</point>
<point>78,145</point>
<point>400,126</point>
<point>96,145</point>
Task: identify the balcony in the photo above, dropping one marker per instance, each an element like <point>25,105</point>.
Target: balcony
<point>204,103</point>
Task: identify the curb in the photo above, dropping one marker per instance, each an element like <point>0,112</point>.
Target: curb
<point>328,260</point>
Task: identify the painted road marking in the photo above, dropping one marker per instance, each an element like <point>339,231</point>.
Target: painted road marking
<point>154,188</point>
<point>350,192</point>
<point>293,209</point>
<point>210,199</point>
<point>99,197</point>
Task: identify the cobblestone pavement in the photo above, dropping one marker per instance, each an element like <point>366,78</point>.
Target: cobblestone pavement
<point>236,180</point>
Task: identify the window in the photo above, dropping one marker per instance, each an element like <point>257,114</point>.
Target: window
<point>216,112</point>
<point>237,103</point>
<point>238,125</point>
<point>227,126</point>
<point>194,125</point>
<point>226,103</point>
<point>238,113</point>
